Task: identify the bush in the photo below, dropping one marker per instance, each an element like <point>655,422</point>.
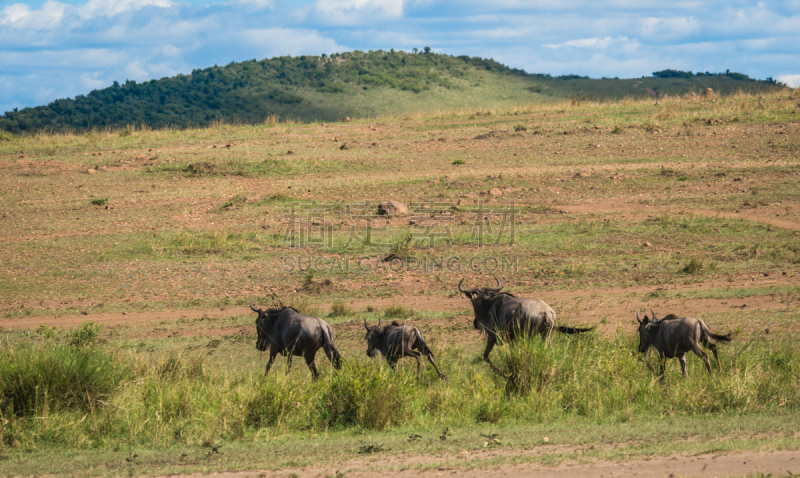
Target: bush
<point>459,161</point>
<point>53,378</point>
<point>398,312</point>
<point>84,336</point>
<point>269,405</point>
<point>99,201</point>
<point>340,309</point>
<point>363,395</point>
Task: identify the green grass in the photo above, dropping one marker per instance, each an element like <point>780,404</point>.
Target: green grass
<point>179,398</point>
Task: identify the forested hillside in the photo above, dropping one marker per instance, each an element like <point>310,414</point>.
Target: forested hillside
<point>326,88</point>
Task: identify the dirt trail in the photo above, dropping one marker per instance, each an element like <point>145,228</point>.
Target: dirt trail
<point>632,206</point>
<point>776,463</point>
<point>613,304</point>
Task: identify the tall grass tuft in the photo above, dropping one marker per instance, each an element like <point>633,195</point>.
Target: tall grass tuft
<point>50,378</point>
<point>365,396</point>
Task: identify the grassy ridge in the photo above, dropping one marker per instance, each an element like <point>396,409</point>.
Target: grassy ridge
<point>328,88</point>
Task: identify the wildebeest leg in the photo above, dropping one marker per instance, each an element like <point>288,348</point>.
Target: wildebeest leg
<point>332,355</point>
<point>682,360</point>
<point>413,353</point>
<point>309,356</point>
<point>269,362</point>
<point>696,348</point>
<point>393,364</point>
<point>289,362</point>
<point>490,341</point>
<point>441,375</point>
<point>713,347</point>
<point>663,366</point>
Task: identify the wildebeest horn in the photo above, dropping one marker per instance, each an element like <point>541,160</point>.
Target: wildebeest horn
<point>281,303</point>
<point>653,314</point>
<point>499,285</point>
<point>365,325</point>
<point>254,309</point>
<point>637,316</point>
<point>459,286</point>
<point>379,323</point>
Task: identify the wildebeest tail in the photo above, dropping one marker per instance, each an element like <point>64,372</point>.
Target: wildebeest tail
<point>721,338</point>
<point>336,359</point>
<point>573,330</point>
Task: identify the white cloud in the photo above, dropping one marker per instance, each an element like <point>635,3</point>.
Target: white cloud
<point>356,12</point>
<point>789,80</point>
<point>668,28</point>
<point>106,8</point>
<point>20,16</point>
<point>594,43</point>
<point>283,41</point>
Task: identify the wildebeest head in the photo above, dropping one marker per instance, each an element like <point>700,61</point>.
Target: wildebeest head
<point>262,342</point>
<point>646,327</point>
<point>374,337</point>
<point>482,301</point>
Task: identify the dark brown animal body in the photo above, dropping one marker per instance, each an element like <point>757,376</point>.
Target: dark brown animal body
<point>673,336</point>
<point>396,341</point>
<point>288,332</point>
<point>503,316</point>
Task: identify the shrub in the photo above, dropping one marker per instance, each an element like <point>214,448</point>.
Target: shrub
<point>398,311</point>
<point>693,266</point>
<point>238,199</point>
<point>53,378</point>
<point>271,403</point>
<point>99,201</point>
<point>617,130</point>
<point>363,395</point>
<point>459,161</point>
<point>84,336</point>
<point>525,365</point>
<point>520,128</point>
<point>340,309</point>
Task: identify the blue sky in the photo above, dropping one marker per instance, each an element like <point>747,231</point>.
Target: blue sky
<point>55,49</point>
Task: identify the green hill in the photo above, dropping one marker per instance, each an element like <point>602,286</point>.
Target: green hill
<point>328,88</point>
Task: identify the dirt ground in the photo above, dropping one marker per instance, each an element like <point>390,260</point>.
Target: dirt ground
<point>766,463</point>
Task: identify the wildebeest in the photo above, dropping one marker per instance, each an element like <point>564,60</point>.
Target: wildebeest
<point>673,336</point>
<point>288,332</point>
<point>396,341</point>
<point>503,316</point>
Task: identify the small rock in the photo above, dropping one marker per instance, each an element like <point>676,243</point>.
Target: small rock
<point>344,146</point>
<point>392,208</point>
<point>708,93</point>
<point>647,244</point>
<point>347,119</point>
<point>495,192</point>
<point>289,152</point>
<point>92,171</point>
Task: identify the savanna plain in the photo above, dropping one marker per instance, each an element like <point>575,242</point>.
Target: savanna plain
<point>129,258</point>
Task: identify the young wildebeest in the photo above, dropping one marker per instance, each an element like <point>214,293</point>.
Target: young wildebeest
<point>396,341</point>
<point>673,336</point>
<point>290,333</point>
<point>503,316</point>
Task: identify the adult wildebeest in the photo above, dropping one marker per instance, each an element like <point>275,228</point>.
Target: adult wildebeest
<point>396,341</point>
<point>673,336</point>
<point>503,316</point>
<point>290,333</point>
